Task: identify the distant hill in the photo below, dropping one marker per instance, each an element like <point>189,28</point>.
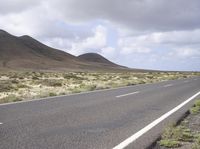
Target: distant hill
<point>95,58</point>
<point>27,53</point>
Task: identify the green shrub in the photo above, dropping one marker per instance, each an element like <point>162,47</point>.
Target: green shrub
<point>52,94</point>
<point>196,144</point>
<point>21,78</point>
<point>48,82</point>
<point>15,81</point>
<point>197,103</point>
<point>170,143</point>
<point>196,108</point>
<point>6,86</point>
<point>179,133</point>
<point>130,84</point>
<point>75,90</point>
<point>22,86</point>
<point>35,78</point>
<point>10,98</point>
<point>72,76</point>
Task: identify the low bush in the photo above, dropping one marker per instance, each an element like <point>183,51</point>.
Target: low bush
<point>196,108</point>
<point>6,86</point>
<point>196,144</point>
<point>72,76</point>
<point>48,82</point>
<point>170,143</point>
<point>10,98</point>
<point>52,94</point>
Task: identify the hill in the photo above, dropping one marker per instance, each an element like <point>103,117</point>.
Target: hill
<point>25,52</point>
<point>97,59</point>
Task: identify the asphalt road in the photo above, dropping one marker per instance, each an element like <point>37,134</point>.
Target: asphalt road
<point>95,120</point>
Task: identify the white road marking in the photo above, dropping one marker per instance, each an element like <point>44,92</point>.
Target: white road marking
<point>138,134</point>
<point>127,94</point>
<point>168,85</point>
<point>1,123</point>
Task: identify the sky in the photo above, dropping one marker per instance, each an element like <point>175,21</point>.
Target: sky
<point>147,34</point>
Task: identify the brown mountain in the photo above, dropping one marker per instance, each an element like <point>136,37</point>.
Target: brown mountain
<point>27,53</point>
<point>95,58</point>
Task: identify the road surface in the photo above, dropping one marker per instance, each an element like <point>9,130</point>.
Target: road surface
<point>96,120</point>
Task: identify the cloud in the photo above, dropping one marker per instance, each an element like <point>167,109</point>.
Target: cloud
<point>150,15</point>
<point>185,53</point>
<point>128,45</point>
<point>95,42</point>
<point>108,52</point>
<point>17,6</point>
<point>42,22</point>
<point>164,34</point>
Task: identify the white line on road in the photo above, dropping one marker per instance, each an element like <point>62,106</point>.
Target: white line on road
<point>1,123</point>
<point>127,94</point>
<point>168,85</point>
<point>138,134</point>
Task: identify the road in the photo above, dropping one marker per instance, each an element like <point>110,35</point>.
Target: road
<point>95,120</point>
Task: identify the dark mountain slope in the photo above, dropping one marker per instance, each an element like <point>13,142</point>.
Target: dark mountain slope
<point>27,53</point>
<point>41,49</point>
<point>94,57</point>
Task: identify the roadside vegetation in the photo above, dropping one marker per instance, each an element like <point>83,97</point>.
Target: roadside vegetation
<point>17,86</point>
<point>186,135</point>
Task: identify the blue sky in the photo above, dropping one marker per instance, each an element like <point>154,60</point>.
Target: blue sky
<point>146,34</point>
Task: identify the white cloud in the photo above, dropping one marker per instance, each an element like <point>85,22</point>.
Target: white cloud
<point>176,37</point>
<point>150,15</point>
<point>58,43</point>
<point>171,37</point>
<point>157,31</point>
<point>185,53</point>
<point>134,49</point>
<point>129,45</point>
<point>108,52</point>
<point>96,42</point>
<point>16,6</point>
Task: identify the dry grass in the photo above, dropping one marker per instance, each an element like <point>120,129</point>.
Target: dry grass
<point>30,85</point>
<point>186,133</point>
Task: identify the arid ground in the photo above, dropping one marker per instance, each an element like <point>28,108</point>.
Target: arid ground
<point>18,86</point>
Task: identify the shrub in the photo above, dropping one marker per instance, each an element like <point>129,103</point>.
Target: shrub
<point>22,86</point>
<point>179,133</point>
<point>197,103</point>
<point>48,82</point>
<point>15,81</point>
<point>196,108</point>
<point>52,94</point>
<point>169,143</point>
<point>72,76</point>
<point>10,98</point>
<point>196,144</point>
<point>92,87</point>
<point>6,86</point>
<point>35,78</point>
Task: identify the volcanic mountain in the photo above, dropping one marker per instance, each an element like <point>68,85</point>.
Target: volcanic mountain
<point>96,59</point>
<point>27,53</point>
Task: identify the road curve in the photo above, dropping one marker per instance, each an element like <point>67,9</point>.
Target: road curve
<point>96,120</point>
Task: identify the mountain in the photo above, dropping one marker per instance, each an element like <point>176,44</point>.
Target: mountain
<point>95,58</point>
<point>25,52</point>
